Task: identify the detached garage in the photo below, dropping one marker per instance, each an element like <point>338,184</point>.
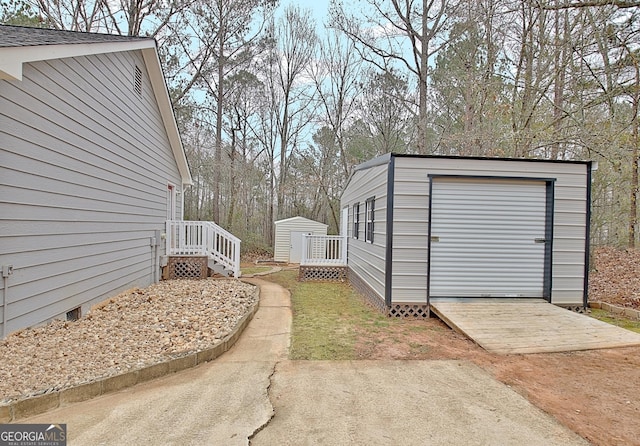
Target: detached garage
<point>288,237</point>
<point>423,228</point>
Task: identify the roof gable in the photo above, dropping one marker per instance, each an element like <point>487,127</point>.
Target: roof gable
<point>300,220</point>
<point>20,45</point>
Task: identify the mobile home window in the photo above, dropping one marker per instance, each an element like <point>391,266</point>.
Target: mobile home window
<point>356,220</point>
<point>369,219</point>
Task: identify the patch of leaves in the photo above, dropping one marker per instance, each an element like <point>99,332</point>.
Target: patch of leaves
<point>615,277</point>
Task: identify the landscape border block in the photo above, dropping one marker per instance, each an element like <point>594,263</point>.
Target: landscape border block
<point>152,372</point>
<point>210,353</point>
<point>5,413</point>
<point>36,405</point>
<point>182,363</point>
<point>119,382</point>
<point>81,393</point>
<point>627,312</point>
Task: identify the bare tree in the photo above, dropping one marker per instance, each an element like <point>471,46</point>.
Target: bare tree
<point>469,92</point>
<point>570,4</point>
<point>383,106</point>
<point>85,15</point>
<point>628,40</point>
<point>337,78</point>
<point>124,17</point>
<point>208,44</point>
<point>404,33</point>
<point>295,41</point>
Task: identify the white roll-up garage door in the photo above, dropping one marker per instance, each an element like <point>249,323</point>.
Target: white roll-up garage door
<point>487,238</point>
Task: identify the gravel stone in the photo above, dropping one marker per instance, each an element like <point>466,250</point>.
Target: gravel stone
<point>134,329</point>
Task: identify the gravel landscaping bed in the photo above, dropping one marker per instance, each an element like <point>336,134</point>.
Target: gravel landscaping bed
<point>137,328</point>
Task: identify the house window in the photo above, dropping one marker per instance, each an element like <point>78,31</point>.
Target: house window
<point>137,80</point>
<point>369,213</point>
<point>356,220</point>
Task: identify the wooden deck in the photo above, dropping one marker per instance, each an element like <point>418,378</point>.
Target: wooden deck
<point>529,326</point>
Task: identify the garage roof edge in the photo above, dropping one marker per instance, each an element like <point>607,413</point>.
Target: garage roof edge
<point>407,155</point>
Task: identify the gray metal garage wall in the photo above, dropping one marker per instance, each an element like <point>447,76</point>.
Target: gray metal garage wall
<point>368,260</point>
<point>411,217</point>
<point>84,166</point>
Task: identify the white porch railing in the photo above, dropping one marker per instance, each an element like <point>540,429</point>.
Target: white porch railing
<point>320,250</point>
<point>204,238</point>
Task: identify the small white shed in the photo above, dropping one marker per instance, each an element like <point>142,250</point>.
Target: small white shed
<point>288,237</point>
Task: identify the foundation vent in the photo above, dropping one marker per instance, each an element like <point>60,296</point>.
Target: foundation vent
<point>74,315</point>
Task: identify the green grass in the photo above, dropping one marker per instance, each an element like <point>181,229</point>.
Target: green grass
<point>617,320</point>
<point>327,318</point>
<point>255,269</point>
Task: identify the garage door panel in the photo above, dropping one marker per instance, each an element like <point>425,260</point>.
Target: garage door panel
<point>487,238</point>
<point>496,266</point>
<point>512,243</point>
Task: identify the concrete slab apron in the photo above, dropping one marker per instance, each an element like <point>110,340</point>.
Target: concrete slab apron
<point>229,401</point>
<point>222,402</point>
<point>403,403</point>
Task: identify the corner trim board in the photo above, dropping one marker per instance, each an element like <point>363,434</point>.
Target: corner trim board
<point>388,280</point>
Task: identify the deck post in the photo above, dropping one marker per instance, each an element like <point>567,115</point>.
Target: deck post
<point>343,243</point>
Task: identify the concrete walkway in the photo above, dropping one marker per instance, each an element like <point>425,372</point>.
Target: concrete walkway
<point>218,403</point>
<point>253,394</point>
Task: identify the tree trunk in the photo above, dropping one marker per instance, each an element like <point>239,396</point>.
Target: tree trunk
<point>559,82</point>
<point>232,181</point>
<point>422,80</point>
<point>633,206</point>
<point>217,160</point>
<point>284,138</point>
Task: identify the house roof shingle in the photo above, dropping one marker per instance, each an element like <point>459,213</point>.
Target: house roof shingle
<point>19,36</point>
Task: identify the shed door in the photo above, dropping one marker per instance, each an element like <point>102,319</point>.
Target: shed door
<point>488,238</point>
<point>295,251</point>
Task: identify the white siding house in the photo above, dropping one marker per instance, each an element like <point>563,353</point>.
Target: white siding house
<point>429,227</point>
<point>91,167</point>
<point>288,237</point>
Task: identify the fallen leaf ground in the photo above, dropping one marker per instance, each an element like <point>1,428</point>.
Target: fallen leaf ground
<point>615,277</point>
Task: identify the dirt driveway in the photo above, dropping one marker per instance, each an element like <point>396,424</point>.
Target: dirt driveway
<point>594,393</point>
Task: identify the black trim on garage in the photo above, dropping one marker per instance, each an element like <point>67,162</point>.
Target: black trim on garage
<point>548,236</point>
<point>429,244</point>
<point>388,279</point>
<point>587,239</point>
